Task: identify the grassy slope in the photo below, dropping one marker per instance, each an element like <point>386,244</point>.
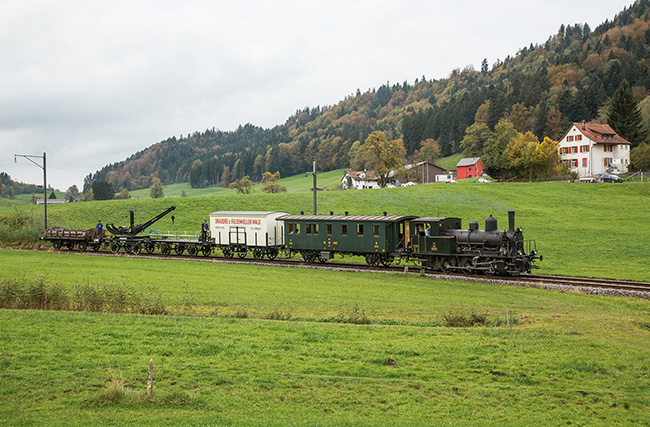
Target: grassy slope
<point>580,229</point>
<point>571,358</point>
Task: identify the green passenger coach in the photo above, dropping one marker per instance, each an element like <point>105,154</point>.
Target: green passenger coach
<point>380,238</point>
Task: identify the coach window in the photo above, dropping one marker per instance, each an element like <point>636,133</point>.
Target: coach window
<point>314,228</point>
<point>308,229</point>
<point>375,230</point>
<point>328,228</point>
<point>359,229</point>
<point>344,229</point>
<point>290,228</point>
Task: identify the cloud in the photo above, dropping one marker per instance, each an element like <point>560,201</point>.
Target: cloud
<point>92,83</point>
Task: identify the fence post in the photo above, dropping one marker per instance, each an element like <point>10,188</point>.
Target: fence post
<point>150,379</point>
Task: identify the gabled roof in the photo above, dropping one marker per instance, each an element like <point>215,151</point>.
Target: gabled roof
<point>599,133</point>
<point>468,161</point>
<point>356,175</point>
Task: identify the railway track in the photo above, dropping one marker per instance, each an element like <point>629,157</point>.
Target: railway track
<point>565,283</point>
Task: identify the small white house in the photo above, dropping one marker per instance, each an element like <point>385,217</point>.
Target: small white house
<point>590,149</point>
<point>359,180</point>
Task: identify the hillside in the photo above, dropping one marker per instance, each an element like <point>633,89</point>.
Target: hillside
<point>543,87</point>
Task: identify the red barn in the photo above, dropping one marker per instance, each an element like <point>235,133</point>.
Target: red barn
<point>469,167</point>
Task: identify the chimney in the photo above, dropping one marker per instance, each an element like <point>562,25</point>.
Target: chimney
<point>583,125</point>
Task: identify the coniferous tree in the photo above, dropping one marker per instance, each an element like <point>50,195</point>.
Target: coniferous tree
<point>624,115</point>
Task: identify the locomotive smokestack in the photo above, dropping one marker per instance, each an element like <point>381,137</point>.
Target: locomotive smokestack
<point>511,221</point>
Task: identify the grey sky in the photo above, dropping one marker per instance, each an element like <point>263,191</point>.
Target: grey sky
<point>91,83</point>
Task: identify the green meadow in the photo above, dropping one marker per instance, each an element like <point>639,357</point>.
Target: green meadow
<point>593,230</point>
<point>256,345</point>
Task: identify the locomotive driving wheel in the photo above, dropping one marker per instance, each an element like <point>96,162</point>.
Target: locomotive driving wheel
<point>95,246</point>
<point>114,247</point>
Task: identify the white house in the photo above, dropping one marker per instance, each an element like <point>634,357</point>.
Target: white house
<point>359,180</point>
<point>590,149</point>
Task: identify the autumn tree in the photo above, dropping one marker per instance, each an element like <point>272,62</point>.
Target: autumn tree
<point>72,193</point>
<point>624,115</point>
<point>156,190</point>
<point>124,194</point>
<point>529,158</point>
<point>519,116</point>
<point>492,158</point>
<point>428,152</point>
<point>243,186</point>
<point>555,124</point>
<point>386,155</point>
<point>474,140</point>
<point>640,157</point>
<point>271,186</point>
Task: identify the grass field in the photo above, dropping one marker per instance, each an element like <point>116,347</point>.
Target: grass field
<point>219,359</point>
<point>580,229</point>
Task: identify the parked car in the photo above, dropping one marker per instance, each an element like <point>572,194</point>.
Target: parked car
<point>450,181</point>
<point>610,178</point>
<point>483,180</point>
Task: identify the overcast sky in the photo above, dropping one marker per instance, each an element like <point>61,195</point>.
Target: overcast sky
<point>91,83</point>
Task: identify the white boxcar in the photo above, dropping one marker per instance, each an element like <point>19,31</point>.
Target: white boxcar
<point>250,229</point>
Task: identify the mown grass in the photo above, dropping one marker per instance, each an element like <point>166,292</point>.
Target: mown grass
<point>568,358</point>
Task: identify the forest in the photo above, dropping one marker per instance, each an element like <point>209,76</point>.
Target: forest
<point>571,77</point>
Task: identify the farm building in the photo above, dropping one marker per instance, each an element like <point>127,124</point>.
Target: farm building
<point>469,167</point>
<point>359,180</point>
<point>590,149</point>
<point>427,171</point>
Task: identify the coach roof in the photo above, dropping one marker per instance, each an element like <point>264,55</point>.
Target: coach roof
<point>353,218</point>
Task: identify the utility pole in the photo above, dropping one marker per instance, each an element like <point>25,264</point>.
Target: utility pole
<point>314,188</point>
<point>44,167</point>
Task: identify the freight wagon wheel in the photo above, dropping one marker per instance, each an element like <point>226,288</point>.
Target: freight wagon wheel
<point>149,247</point>
<point>227,252</point>
<point>165,249</point>
<point>69,244</point>
<point>242,254</point>
<point>57,244</point>
<point>114,247</point>
<point>321,259</point>
<point>273,254</point>
<point>206,250</point>
<point>179,249</point>
<point>192,250</point>
<point>82,246</point>
<point>136,248</point>
<point>258,254</point>
<point>95,246</point>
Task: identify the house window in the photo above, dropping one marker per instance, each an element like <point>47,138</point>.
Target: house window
<point>569,138</point>
<point>578,137</point>
<point>375,231</point>
<point>328,229</point>
<point>574,150</point>
<point>344,229</point>
<point>585,148</point>
<point>469,169</point>
<point>574,163</point>
<point>360,230</point>
<point>584,162</point>
<point>609,148</point>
